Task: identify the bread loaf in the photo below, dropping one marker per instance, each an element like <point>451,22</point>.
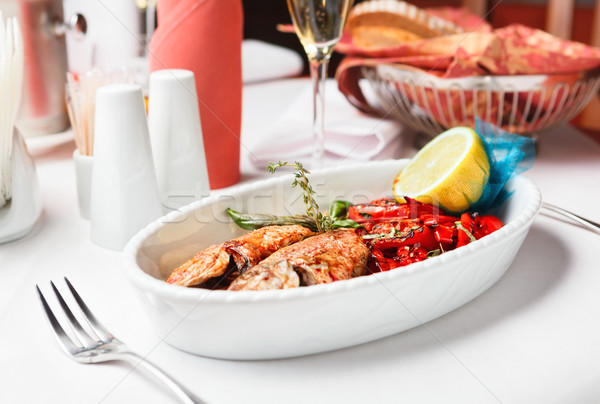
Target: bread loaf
<point>385,23</point>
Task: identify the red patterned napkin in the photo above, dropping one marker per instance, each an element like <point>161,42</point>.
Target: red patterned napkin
<point>512,50</point>
<point>515,49</point>
<point>206,38</point>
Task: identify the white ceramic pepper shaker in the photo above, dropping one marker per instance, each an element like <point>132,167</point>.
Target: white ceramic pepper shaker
<point>176,138</point>
<point>124,196</point>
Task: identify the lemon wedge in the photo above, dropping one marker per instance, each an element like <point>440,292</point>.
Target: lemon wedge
<point>451,170</point>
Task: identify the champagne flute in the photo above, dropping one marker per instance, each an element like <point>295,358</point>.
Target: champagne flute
<point>319,25</point>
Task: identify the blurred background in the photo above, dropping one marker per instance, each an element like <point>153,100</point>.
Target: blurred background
<point>103,37</point>
<point>578,20</point>
<point>262,16</point>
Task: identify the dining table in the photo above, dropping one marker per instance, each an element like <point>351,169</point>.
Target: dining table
<point>533,337</point>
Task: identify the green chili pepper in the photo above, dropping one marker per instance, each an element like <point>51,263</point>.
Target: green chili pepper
<point>256,221</point>
<point>339,209</point>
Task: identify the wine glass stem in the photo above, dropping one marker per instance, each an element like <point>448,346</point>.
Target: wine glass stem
<point>318,72</point>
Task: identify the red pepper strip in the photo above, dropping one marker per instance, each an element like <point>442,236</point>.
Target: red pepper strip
<point>407,256</point>
<point>485,225</point>
<point>362,213</point>
<point>430,220</point>
<point>383,202</point>
<point>403,257</point>
<point>423,236</point>
<point>467,223</point>
<point>383,260</point>
<point>385,243</point>
<point>395,229</point>
<point>366,229</point>
<point>384,209</point>
<point>444,234</point>
<point>377,262</point>
<point>418,254</point>
<point>418,209</point>
<point>396,263</point>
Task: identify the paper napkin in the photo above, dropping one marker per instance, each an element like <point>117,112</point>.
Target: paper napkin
<point>206,38</point>
<point>349,134</point>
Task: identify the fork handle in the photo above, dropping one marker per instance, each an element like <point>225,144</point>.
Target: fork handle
<point>590,225</point>
<point>180,391</point>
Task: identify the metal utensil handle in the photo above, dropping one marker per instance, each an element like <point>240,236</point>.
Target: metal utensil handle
<point>182,393</point>
<point>593,226</point>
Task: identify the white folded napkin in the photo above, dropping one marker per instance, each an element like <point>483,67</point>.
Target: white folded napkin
<point>349,134</point>
<point>263,61</point>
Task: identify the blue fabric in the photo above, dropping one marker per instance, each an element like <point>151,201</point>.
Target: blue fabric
<point>509,154</point>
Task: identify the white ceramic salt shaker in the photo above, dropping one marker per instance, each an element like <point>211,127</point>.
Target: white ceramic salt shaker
<point>124,196</point>
<point>176,138</point>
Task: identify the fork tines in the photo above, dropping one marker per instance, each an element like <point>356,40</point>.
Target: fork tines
<point>84,339</point>
<point>92,343</point>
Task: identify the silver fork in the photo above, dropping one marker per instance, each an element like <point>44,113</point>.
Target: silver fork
<point>99,345</point>
<point>587,223</point>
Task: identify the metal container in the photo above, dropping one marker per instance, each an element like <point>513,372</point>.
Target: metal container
<point>42,110</point>
<point>115,37</point>
<point>522,104</point>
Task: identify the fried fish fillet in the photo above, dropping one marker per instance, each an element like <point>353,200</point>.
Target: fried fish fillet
<point>324,258</point>
<point>238,254</point>
<point>274,275</point>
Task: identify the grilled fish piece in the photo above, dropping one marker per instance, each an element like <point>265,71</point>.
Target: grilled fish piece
<point>274,275</point>
<point>207,264</point>
<point>324,258</point>
<point>236,255</point>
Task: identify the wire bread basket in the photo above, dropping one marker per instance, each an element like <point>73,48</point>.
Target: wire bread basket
<point>522,104</point>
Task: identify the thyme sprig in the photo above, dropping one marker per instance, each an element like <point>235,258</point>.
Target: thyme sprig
<point>338,210</point>
<point>301,180</point>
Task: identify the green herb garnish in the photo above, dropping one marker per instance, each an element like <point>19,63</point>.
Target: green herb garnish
<point>434,253</point>
<point>300,179</point>
<point>258,220</point>
<point>339,209</point>
<point>313,219</point>
<point>467,232</point>
<point>393,233</point>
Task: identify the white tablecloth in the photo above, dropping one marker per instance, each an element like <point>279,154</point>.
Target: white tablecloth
<point>534,337</point>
